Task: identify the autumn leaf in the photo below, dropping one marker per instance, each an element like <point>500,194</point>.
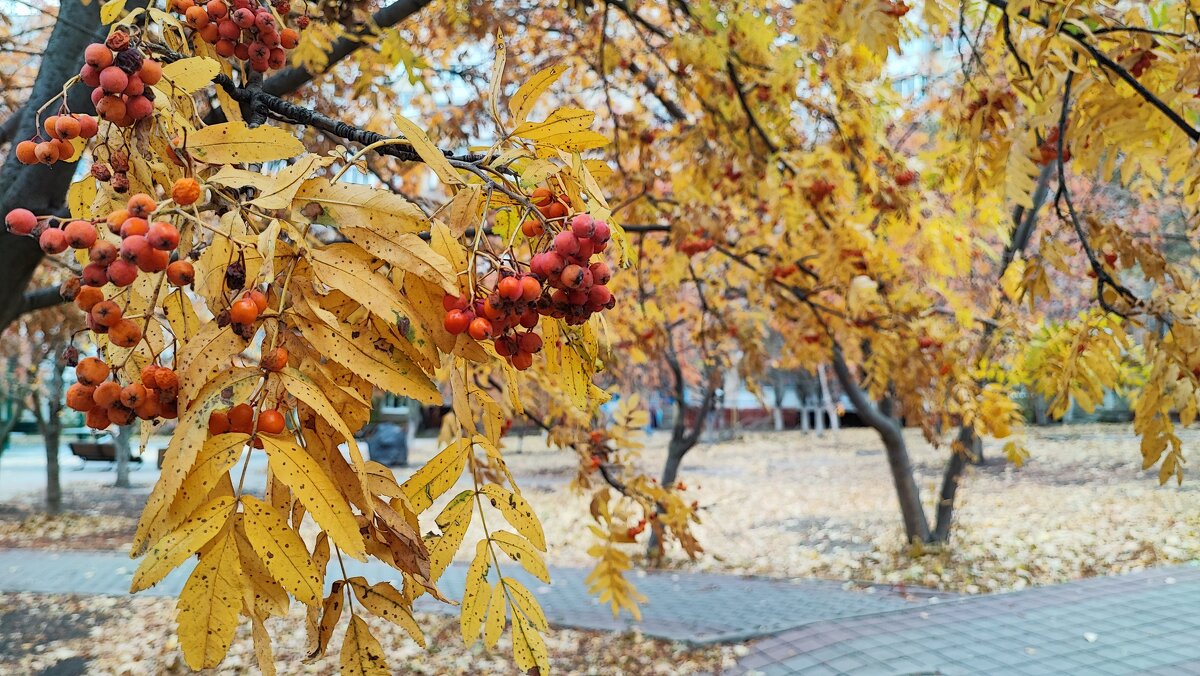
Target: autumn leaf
<point>517,513</point>
<point>281,550</point>
<point>209,605</point>
<point>384,600</point>
<point>437,475</point>
<point>430,153</point>
<point>361,653</point>
<point>236,143</point>
<point>175,548</point>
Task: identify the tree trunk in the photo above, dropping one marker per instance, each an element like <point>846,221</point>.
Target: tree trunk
<point>916,526</point>
<point>951,478</point>
<point>121,439</point>
<point>51,428</point>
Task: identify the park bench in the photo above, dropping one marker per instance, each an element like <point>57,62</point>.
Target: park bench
<point>97,452</point>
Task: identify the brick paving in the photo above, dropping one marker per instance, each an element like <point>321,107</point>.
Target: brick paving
<point>1141,623</point>
<point>695,608</point>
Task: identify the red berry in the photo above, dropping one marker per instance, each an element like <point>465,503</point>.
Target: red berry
<point>122,273</point>
<point>163,236</point>
<point>583,226</point>
<point>20,221</point>
<point>566,243</point>
<point>509,288</point>
<point>80,234</point>
<point>456,321</point>
<point>53,241</point>
<point>530,289</point>
<point>480,328</point>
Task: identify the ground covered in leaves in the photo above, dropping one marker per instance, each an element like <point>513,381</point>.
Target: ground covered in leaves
<point>779,504</point>
<point>66,635</point>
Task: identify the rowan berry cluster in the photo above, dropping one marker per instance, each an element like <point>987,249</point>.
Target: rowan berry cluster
<point>60,130</point>
<point>243,29</point>
<point>241,419</point>
<point>121,77</point>
<point>579,284</point>
<point>511,305</point>
<point>98,394</point>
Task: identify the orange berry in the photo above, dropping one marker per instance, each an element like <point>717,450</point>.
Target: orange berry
<point>79,397</point>
<point>275,360</point>
<point>116,219</point>
<point>27,152</point>
<point>149,407</point>
<point>67,126</point>
<point>133,395</point>
<point>166,381</point>
<point>181,273</point>
<point>541,197</point>
<point>150,72</point>
<point>47,152</point>
<point>87,297</point>
<point>126,333</point>
<point>241,419</point>
<point>141,205</point>
<point>147,375</point>
<point>244,311</point>
<point>259,298</point>
<point>185,191</point>
<point>218,423</point>
<point>270,421</point>
<point>51,126</point>
<point>97,418</point>
<point>480,328</point>
<point>107,393</point>
<point>106,313</point>
<point>91,371</point>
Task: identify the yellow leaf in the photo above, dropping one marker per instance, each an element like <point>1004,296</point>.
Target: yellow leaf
<point>385,601</point>
<point>453,522</point>
<point>301,387</point>
<point>407,252</point>
<point>519,550</point>
<point>274,191</point>
<point>315,490</point>
<point>525,601</point>
<point>190,436</point>
<point>517,513</point>
<point>81,196</point>
<point>475,595</point>
<point>529,650</point>
<point>110,10</point>
<point>281,550</point>
<point>270,598</point>
<point>181,315</point>
<point>178,545</point>
<point>361,206</point>
<point>203,357</point>
<point>430,153</point>
<point>361,653</point>
<point>347,268</point>
<point>436,476</point>
<point>561,121</point>
<point>465,209</point>
<point>236,143</point>
<point>387,368</point>
<point>496,617</point>
<point>445,243</point>
<point>209,605</point>
<point>212,463</point>
<point>331,612</point>
<point>497,79</point>
<point>190,75</point>
<point>262,646</point>
<point>526,96</point>
<point>574,142</point>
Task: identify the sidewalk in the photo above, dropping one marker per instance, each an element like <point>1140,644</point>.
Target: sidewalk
<point>694,608</point>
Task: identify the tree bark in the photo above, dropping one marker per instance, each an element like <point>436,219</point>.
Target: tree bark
<point>43,188</point>
<point>51,429</point>
<point>122,439</point>
<point>916,526</point>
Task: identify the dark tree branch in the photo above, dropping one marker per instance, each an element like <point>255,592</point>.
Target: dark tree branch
<point>290,79</point>
<point>737,87</point>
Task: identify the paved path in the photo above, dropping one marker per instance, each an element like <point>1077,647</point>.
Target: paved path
<point>690,607</point>
<point>1141,623</point>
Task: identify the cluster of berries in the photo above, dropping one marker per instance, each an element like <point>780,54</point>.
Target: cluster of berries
<point>579,283</point>
<point>243,312</point>
<point>107,402</point>
<point>243,29</point>
<point>512,305</point>
<point>60,130</point>
<point>240,419</point>
<point>121,77</point>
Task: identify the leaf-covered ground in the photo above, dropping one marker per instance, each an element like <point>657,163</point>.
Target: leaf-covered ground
<point>67,635</point>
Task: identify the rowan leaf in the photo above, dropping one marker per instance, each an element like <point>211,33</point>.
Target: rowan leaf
<point>213,462</point>
<point>331,612</point>
<point>528,605</point>
<point>281,550</point>
<point>436,476</point>
<point>173,549</point>
<point>522,102</point>
<point>529,649</point>
<point>263,656</point>
<point>384,600</point>
<point>407,252</point>
<point>209,605</point>
<point>430,153</point>
<point>453,522</point>
<point>110,10</point>
<point>190,75</point>
<point>275,191</point>
<point>297,469</point>
<point>181,315</point>
<point>520,550</point>
<point>517,513</point>
<point>236,143</point>
<point>361,206</point>
<point>497,610</point>
<point>361,653</point>
<point>267,595</point>
<point>476,595</point>
<point>562,121</point>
